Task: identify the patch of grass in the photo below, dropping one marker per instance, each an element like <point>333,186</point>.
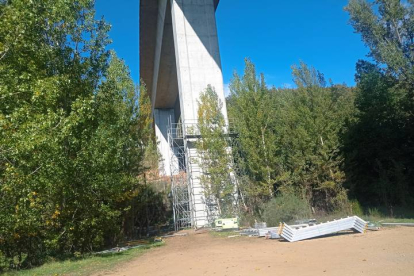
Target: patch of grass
<point>223,234</point>
<point>373,218</point>
<point>85,266</point>
<point>387,219</point>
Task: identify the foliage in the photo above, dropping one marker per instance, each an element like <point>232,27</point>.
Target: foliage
<point>147,209</point>
<point>386,27</point>
<point>319,139</point>
<point>251,107</point>
<point>215,157</point>
<point>379,147</point>
<point>356,208</point>
<point>286,207</point>
<point>77,146</point>
<point>313,119</point>
<point>293,134</point>
<point>72,136</point>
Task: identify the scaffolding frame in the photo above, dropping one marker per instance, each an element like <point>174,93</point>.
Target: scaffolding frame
<point>186,173</point>
<point>179,187</point>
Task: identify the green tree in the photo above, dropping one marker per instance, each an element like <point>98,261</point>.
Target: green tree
<point>312,119</point>
<point>380,144</point>
<point>290,138</point>
<point>387,28</point>
<point>72,136</point>
<point>251,107</point>
<point>49,73</point>
<point>214,153</point>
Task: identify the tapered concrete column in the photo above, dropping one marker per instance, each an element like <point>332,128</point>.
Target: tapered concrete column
<point>197,53</point>
<point>179,58</point>
<point>198,65</point>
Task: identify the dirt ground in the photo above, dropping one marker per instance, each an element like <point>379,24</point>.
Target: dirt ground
<point>385,252</point>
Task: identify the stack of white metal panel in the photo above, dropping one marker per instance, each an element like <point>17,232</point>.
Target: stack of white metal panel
<point>272,232</point>
<point>291,234</point>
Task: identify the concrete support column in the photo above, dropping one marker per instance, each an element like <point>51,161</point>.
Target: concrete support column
<point>162,118</point>
<point>162,7</point>
<point>197,53</point>
<point>198,65</point>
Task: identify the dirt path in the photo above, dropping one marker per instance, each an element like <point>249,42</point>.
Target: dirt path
<point>386,252</point>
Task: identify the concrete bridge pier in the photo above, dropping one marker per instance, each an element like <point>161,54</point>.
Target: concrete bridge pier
<point>179,58</point>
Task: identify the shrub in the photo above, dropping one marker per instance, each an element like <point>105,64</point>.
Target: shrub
<point>374,213</point>
<point>285,207</point>
<point>356,208</point>
<point>247,219</point>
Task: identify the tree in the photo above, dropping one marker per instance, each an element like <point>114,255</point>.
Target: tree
<point>290,138</point>
<point>389,34</point>
<point>251,107</point>
<point>380,145</point>
<point>72,136</point>
<point>312,119</point>
<point>214,153</point>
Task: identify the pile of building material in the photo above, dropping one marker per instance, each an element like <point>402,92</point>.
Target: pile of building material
<point>273,235</point>
<point>268,232</point>
<point>257,231</point>
<point>119,249</point>
<point>273,232</point>
<point>296,234</point>
<point>263,232</point>
<point>251,232</point>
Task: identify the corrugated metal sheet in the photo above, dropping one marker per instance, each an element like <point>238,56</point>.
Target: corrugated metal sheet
<point>291,234</point>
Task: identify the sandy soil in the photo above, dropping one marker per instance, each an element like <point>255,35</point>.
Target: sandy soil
<point>385,252</point>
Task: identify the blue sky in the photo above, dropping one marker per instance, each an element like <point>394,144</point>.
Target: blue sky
<point>273,34</point>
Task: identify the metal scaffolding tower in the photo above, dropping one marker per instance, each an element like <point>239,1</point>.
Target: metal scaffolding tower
<point>179,187</point>
<point>191,207</point>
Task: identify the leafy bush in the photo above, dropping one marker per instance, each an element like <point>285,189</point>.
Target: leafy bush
<point>285,207</point>
<point>374,213</point>
<point>356,208</point>
<point>247,219</point>
<point>73,133</point>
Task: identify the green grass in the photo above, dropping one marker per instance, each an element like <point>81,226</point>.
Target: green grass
<point>379,220</point>
<point>224,233</point>
<point>400,220</point>
<point>376,218</point>
<point>84,266</point>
